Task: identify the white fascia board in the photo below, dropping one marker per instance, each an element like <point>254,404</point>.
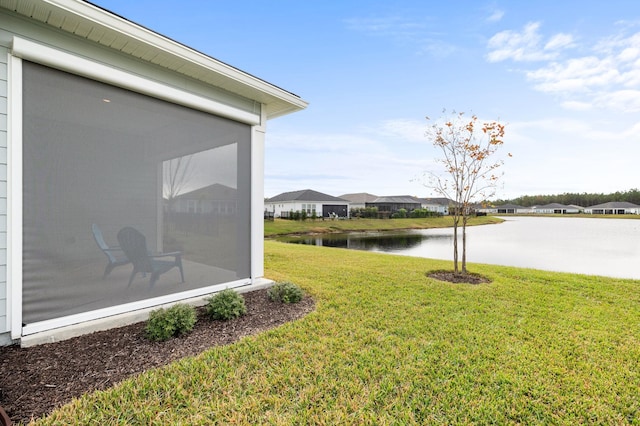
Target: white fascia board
<point>104,18</point>
<point>64,61</point>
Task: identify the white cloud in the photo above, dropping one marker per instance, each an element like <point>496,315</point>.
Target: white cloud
<point>527,45</point>
<point>496,15</point>
<point>575,75</point>
<point>438,48</point>
<point>559,41</point>
<point>607,77</point>
<point>394,26</point>
<point>577,105</point>
<point>402,129</point>
<point>405,30</point>
<point>620,100</point>
<point>382,159</point>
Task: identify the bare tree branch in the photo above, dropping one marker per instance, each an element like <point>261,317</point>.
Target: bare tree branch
<point>468,148</point>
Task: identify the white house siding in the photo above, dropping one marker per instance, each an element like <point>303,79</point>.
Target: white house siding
<point>3,190</point>
<point>437,208</point>
<point>287,206</point>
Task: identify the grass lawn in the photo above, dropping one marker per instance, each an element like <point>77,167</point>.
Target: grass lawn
<point>387,345</point>
<point>283,227</point>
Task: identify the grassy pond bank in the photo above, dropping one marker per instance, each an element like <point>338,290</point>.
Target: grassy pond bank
<point>286,227</point>
<point>387,345</point>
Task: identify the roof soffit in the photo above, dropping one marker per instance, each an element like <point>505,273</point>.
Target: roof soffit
<point>93,23</point>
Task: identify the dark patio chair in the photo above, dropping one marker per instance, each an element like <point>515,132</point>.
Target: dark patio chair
<point>134,245</point>
<point>115,255</point>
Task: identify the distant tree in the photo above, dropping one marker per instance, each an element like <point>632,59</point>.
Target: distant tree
<point>469,169</point>
<point>584,199</point>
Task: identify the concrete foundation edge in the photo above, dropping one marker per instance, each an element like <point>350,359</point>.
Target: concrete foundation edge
<point>75,330</point>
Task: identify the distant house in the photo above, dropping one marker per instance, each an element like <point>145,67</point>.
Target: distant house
<point>556,208</point>
<point>504,209</point>
<point>614,207</point>
<point>392,204</point>
<point>438,205</point>
<point>215,199</point>
<point>307,200</point>
<point>358,200</point>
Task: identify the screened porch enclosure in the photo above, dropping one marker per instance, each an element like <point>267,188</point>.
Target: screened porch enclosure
<point>97,156</point>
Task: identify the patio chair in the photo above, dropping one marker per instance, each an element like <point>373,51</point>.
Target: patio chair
<point>115,255</point>
<point>134,245</point>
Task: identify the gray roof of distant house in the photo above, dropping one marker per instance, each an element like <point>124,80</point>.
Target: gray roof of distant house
<point>360,197</point>
<point>398,199</point>
<point>305,195</point>
<point>212,192</point>
<point>437,201</point>
<point>510,206</point>
<point>615,205</point>
<point>553,206</point>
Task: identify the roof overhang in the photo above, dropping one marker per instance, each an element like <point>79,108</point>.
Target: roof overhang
<point>98,25</point>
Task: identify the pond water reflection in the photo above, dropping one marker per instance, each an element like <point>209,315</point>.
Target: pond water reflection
<point>607,247</point>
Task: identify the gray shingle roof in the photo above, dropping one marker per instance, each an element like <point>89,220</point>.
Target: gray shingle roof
<point>510,206</point>
<point>553,206</point>
<point>305,195</point>
<point>212,192</point>
<point>360,197</point>
<point>615,205</point>
<point>439,201</point>
<point>406,199</point>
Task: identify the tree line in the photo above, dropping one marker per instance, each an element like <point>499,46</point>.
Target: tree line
<point>584,199</point>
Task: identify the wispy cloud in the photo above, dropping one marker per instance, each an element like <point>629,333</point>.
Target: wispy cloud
<point>405,130</point>
<point>392,26</point>
<point>495,16</point>
<point>411,31</point>
<point>340,163</point>
<point>527,45</point>
<point>608,76</point>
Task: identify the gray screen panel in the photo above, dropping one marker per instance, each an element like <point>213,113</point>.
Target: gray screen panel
<point>96,159</point>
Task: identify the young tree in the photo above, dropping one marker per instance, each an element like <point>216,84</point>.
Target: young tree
<point>469,172</point>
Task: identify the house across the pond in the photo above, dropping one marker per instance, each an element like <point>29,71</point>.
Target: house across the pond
<point>392,203</point>
<point>556,208</point>
<point>437,205</point>
<point>614,207</point>
<point>504,209</point>
<point>312,203</point>
<point>111,137</point>
<point>358,200</point>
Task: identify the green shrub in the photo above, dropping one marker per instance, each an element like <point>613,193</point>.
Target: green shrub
<point>174,321</point>
<point>226,305</point>
<point>286,292</point>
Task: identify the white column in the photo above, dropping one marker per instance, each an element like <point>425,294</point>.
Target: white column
<point>14,196</point>
<point>257,197</point>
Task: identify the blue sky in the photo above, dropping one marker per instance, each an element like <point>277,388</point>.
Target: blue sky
<point>564,76</point>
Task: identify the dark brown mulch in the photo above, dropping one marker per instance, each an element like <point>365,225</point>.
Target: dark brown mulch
<point>34,381</point>
<point>458,278</point>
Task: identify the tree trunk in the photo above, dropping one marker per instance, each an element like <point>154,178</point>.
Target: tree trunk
<point>464,244</point>
<point>456,219</point>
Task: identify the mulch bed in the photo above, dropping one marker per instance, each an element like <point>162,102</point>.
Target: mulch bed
<point>458,278</point>
<point>36,380</point>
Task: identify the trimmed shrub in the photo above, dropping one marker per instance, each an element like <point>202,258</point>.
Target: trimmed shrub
<point>226,305</point>
<point>286,293</point>
<point>164,324</point>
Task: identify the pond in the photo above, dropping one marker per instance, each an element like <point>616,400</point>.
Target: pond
<point>607,247</point>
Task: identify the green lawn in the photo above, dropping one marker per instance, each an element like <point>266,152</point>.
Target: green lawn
<point>387,345</point>
<point>283,227</point>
